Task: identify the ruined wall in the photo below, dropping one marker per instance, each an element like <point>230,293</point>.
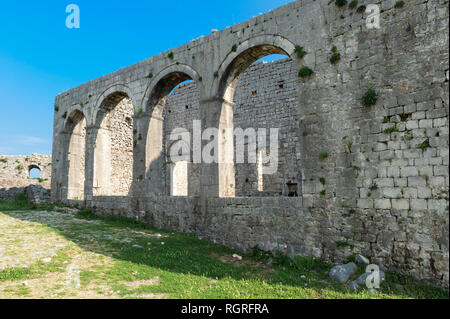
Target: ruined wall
<point>14,173</point>
<point>374,177</point>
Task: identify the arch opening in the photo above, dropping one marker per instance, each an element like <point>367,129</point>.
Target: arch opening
<point>113,147</point>
<point>34,172</point>
<point>76,128</point>
<point>263,104</point>
<point>173,105</point>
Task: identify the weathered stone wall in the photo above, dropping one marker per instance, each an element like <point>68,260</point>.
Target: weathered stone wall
<point>120,124</point>
<point>15,173</point>
<point>374,178</point>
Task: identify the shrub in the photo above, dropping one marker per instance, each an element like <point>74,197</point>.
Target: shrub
<point>323,155</point>
<point>150,75</point>
<point>399,4</point>
<point>340,3</point>
<point>300,52</point>
<point>322,181</point>
<point>4,160</point>
<point>305,72</point>
<point>353,4</point>
<point>424,145</point>
<point>369,98</point>
<point>64,115</point>
<point>361,9</point>
<point>56,108</point>
<point>335,57</point>
<point>234,48</point>
<point>170,55</point>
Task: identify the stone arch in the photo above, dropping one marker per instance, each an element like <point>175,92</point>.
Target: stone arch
<point>112,139</point>
<point>151,123</point>
<point>245,55</point>
<point>75,128</point>
<point>111,95</point>
<point>163,83</point>
<point>230,71</point>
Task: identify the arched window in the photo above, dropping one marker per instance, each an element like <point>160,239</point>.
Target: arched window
<point>34,172</point>
<point>261,82</point>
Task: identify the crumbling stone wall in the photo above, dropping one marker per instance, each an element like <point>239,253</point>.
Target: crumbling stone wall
<point>14,173</point>
<point>374,176</point>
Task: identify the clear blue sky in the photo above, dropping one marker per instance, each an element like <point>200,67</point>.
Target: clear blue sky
<point>40,57</point>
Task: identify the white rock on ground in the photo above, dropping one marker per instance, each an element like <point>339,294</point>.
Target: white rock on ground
<point>360,259</point>
<point>342,273</point>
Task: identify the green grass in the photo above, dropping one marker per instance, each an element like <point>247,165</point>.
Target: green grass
<point>20,202</point>
<point>127,250</point>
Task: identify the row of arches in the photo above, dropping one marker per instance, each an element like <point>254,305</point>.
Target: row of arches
<point>125,151</point>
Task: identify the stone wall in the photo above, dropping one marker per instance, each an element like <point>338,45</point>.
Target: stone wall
<point>15,170</point>
<point>412,242</point>
<point>374,178</point>
<point>120,124</point>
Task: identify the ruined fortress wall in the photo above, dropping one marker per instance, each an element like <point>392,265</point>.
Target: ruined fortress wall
<point>14,173</point>
<point>374,178</point>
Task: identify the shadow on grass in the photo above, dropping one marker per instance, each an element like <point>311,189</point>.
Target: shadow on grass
<point>187,254</point>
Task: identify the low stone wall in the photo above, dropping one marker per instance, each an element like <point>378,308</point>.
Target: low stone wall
<point>14,173</point>
<point>413,242</point>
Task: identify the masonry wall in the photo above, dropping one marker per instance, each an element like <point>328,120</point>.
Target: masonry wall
<point>374,178</point>
<point>14,173</point>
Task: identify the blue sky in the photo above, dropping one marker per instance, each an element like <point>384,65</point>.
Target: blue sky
<point>40,57</point>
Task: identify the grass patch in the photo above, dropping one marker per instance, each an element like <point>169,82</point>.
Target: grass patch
<point>128,259</point>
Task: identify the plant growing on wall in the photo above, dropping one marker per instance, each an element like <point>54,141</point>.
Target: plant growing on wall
<point>170,55</point>
<point>340,3</point>
<point>369,98</point>
<point>323,155</point>
<point>234,48</point>
<point>300,52</point>
<point>399,4</point>
<point>305,72</point>
<point>361,9</point>
<point>149,76</point>
<point>64,115</point>
<point>56,108</point>
<point>424,145</point>
<point>353,4</point>
<point>335,56</point>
